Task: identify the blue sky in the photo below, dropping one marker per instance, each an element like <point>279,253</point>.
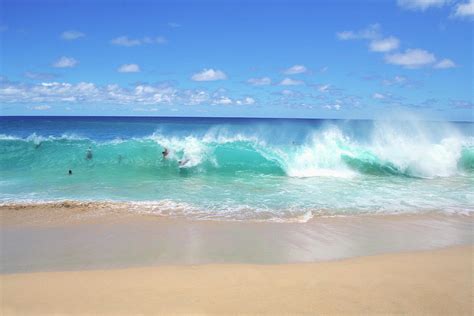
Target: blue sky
<point>328,59</point>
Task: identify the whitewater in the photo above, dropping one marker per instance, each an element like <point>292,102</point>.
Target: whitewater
<point>239,169</point>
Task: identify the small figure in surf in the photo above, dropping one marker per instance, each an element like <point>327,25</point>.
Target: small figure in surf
<point>70,172</point>
<point>165,153</point>
<point>89,154</point>
<point>183,162</point>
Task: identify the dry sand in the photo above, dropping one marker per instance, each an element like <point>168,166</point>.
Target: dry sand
<point>432,282</point>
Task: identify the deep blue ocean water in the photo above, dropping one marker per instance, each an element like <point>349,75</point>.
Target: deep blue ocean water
<point>233,168</point>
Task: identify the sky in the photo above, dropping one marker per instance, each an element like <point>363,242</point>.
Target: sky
<point>261,58</point>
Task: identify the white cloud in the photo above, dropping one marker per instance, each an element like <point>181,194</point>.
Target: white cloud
<point>445,64</point>
<point>371,32</point>
<point>378,96</point>
<point>411,58</point>
<point>384,45</point>
<point>296,69</point>
<point>421,4</point>
<point>71,35</point>
<point>65,62</point>
<point>335,106</point>
<point>196,97</point>
<point>129,42</point>
<point>88,93</point>
<point>174,25</point>
<point>264,81</point>
<point>290,82</point>
<point>465,9</point>
<point>126,68</point>
<point>40,107</point>
<point>223,100</point>
<point>245,101</point>
<point>209,75</point>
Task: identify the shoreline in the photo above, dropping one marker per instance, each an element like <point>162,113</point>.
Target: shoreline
<point>47,238</point>
<point>77,211</point>
<point>421,282</point>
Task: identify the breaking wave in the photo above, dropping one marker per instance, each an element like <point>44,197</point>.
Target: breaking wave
<point>329,152</point>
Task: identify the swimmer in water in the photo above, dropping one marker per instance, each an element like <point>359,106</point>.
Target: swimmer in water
<point>70,172</point>
<point>165,153</point>
<point>89,153</point>
<point>183,162</point>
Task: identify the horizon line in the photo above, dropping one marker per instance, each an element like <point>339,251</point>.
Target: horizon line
<point>229,117</point>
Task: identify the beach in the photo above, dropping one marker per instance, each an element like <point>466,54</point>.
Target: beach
<point>73,260</point>
<point>435,282</point>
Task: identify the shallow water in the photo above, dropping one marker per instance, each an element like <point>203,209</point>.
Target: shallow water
<point>241,169</point>
<point>113,242</point>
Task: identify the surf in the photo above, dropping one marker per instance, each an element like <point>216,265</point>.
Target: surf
<point>328,152</point>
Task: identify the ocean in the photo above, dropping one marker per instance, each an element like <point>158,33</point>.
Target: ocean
<point>240,169</point>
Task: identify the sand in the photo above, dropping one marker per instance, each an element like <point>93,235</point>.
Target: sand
<point>431,282</point>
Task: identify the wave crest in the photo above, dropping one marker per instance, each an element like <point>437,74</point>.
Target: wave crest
<point>328,152</point>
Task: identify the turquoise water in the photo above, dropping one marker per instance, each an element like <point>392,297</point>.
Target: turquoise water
<point>262,169</point>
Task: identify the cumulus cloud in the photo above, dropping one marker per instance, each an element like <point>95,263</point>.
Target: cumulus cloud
<point>411,58</point>
<point>126,68</point>
<point>65,62</point>
<point>129,42</point>
<point>71,35</point>
<point>374,35</point>
<point>462,9</point>
<point>264,81</point>
<point>222,100</point>
<point>421,4</point>
<point>384,45</point>
<point>445,64</point>
<point>209,75</point>
<point>335,106</point>
<point>290,82</point>
<point>245,101</point>
<point>90,93</point>
<point>371,32</point>
<point>296,69</point>
<point>465,9</point>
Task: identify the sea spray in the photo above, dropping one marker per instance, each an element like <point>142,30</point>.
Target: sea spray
<point>238,169</point>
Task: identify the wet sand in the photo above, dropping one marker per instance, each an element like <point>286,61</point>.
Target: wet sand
<point>78,237</point>
<point>437,282</point>
<point>89,259</point>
